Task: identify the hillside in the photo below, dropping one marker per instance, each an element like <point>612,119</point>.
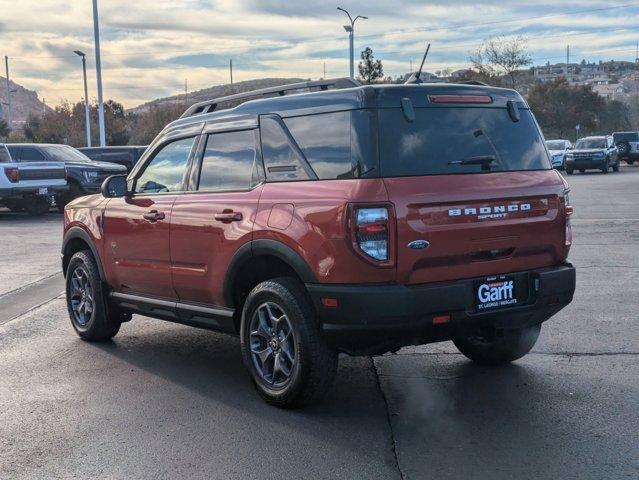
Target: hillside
<point>213,92</point>
<point>24,102</point>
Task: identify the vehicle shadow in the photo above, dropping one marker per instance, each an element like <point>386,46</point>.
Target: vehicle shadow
<point>538,418</point>
<point>351,420</point>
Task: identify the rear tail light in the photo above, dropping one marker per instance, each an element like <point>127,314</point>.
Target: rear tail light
<point>568,209</point>
<point>476,99</point>
<point>373,233</point>
<point>12,173</point>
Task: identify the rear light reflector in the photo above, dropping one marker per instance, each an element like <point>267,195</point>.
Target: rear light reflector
<point>12,173</point>
<point>476,99</point>
<point>330,303</point>
<point>439,319</point>
<point>372,232</point>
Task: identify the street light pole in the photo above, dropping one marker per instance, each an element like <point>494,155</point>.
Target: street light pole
<point>9,112</point>
<point>351,37</point>
<point>87,116</point>
<point>98,69</point>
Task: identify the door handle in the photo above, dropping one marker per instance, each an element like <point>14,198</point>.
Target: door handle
<point>228,216</point>
<point>154,216</point>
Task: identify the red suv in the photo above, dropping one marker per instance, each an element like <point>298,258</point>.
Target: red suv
<point>353,219</point>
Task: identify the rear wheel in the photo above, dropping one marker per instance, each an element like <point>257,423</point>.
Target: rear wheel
<point>496,347</point>
<point>62,199</point>
<point>38,206</point>
<point>282,347</point>
<point>88,310</point>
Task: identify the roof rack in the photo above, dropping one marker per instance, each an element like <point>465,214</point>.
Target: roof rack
<point>209,106</point>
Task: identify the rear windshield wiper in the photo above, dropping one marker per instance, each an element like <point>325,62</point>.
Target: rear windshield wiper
<point>484,161</point>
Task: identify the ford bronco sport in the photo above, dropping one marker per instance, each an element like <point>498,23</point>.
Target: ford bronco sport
<point>348,219</point>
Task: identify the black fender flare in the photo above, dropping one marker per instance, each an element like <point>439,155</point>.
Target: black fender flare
<point>80,233</point>
<point>264,247</point>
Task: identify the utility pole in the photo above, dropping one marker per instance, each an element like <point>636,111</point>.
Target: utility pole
<point>9,112</point>
<point>98,71</point>
<point>411,66</point>
<point>324,77</point>
<point>567,60</point>
<point>351,38</point>
<point>231,69</point>
<point>87,116</point>
<point>186,91</point>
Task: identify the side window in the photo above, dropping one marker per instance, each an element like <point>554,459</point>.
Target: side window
<point>165,172</point>
<point>283,159</point>
<point>15,152</point>
<point>31,154</point>
<point>325,140</point>
<point>230,162</point>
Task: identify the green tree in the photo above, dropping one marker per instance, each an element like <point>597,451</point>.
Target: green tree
<point>4,129</point>
<point>370,70</point>
<point>560,107</point>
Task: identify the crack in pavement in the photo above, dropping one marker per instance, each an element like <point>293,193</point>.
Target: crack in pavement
<point>402,476</point>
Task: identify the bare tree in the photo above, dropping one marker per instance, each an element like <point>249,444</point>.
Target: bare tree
<point>501,56</point>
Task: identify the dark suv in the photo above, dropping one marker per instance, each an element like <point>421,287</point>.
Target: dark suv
<point>592,153</point>
<point>628,146</point>
<point>356,219</point>
<point>84,176</point>
<point>126,155</point>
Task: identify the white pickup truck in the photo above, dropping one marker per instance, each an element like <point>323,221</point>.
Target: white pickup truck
<point>29,186</point>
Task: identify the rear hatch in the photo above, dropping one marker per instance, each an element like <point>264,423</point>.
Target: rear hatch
<point>475,182</point>
<point>45,173</point>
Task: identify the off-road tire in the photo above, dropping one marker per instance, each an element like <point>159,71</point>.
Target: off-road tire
<point>103,324</point>
<point>315,363</point>
<point>62,199</point>
<point>615,167</point>
<point>37,206</point>
<point>606,166</point>
<point>570,171</point>
<point>504,346</point>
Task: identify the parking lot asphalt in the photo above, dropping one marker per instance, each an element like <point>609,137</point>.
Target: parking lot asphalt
<point>167,401</point>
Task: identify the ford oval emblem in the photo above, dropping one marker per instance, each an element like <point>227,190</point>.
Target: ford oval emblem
<point>418,244</point>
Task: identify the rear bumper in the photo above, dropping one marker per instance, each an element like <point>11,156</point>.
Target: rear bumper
<point>378,318</point>
<point>19,192</point>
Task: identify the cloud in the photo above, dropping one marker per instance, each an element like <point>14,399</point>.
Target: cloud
<point>150,47</point>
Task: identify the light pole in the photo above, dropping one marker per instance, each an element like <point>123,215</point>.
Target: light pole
<point>87,117</point>
<point>351,34</point>
<point>98,70</point>
<point>9,111</point>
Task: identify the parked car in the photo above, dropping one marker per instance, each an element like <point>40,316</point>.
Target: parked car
<point>628,146</point>
<point>84,175</point>
<point>29,184</point>
<point>357,220</point>
<point>127,155</point>
<point>558,150</point>
<point>592,153</point>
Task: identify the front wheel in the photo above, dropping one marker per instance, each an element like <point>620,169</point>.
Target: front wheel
<point>615,167</point>
<point>496,347</point>
<point>606,166</point>
<point>282,346</point>
<point>90,315</point>
<point>570,170</point>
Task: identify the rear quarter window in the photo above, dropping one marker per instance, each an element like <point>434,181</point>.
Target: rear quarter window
<point>441,139</point>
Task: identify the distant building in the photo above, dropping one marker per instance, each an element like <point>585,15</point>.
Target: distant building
<point>612,91</point>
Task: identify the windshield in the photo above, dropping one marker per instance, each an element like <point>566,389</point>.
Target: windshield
<point>626,137</point>
<point>4,155</point>
<point>556,145</point>
<point>589,143</point>
<point>455,140</point>
<point>65,153</point>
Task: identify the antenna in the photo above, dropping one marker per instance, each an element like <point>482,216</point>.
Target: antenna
<point>414,78</point>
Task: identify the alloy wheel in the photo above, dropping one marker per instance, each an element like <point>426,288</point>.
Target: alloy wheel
<point>272,345</point>
<point>81,297</point>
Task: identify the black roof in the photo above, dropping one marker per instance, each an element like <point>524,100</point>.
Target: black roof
<point>366,96</point>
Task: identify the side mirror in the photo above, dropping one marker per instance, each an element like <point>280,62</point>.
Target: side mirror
<point>114,186</point>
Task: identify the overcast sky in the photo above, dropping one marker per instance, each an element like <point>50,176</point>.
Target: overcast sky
<point>149,47</point>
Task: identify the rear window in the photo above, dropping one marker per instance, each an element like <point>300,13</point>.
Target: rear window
<point>65,153</point>
<point>626,137</point>
<point>4,155</point>
<point>556,144</point>
<point>588,143</point>
<point>455,140</point>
